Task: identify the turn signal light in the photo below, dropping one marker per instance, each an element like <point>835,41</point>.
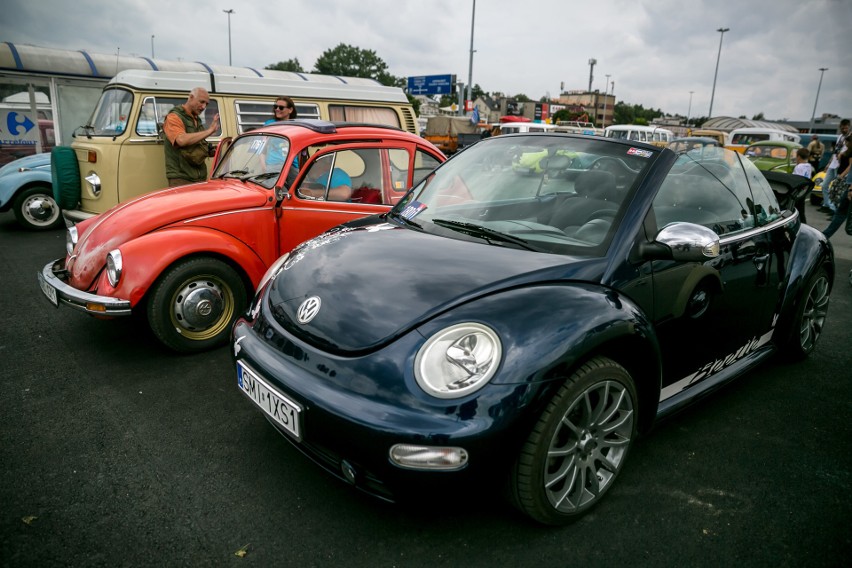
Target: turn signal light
<point>92,157</point>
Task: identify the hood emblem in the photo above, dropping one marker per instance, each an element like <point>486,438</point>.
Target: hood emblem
<point>308,309</point>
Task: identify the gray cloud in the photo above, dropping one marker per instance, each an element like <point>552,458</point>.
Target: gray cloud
<point>656,51</point>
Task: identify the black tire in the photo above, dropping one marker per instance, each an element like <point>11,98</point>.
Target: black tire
<point>66,176</point>
<point>578,446</point>
<point>194,303</point>
<point>809,319</point>
<point>35,208</point>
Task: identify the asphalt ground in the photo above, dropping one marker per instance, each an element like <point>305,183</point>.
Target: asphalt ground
<point>116,452</point>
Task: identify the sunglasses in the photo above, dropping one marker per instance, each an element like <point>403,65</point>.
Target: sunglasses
<point>279,107</point>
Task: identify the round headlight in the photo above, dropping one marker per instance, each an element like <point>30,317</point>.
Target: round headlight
<point>70,239</point>
<point>458,360</point>
<point>114,266</point>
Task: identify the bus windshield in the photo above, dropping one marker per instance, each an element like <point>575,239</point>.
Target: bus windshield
<point>111,114</point>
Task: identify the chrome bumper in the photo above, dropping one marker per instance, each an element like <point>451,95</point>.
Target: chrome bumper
<point>57,291</point>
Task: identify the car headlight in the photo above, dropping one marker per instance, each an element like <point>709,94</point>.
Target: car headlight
<point>114,266</point>
<point>273,269</point>
<point>94,182</point>
<point>458,360</point>
<point>70,239</point>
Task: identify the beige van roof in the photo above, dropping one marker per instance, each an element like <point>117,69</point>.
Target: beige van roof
<point>270,83</point>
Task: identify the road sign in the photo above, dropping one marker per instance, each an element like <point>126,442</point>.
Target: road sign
<point>431,85</point>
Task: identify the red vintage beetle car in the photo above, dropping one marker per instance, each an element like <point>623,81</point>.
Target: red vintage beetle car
<point>189,258</point>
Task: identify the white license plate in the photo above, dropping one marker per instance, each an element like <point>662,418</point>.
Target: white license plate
<point>48,290</point>
<point>281,409</point>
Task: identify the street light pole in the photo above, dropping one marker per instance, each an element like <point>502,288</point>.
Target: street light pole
<point>822,71</point>
<point>152,46</point>
<point>713,94</point>
<point>229,12</point>
<point>689,109</point>
<point>606,90</point>
<point>470,66</point>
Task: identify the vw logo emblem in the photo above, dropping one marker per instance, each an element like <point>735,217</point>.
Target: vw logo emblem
<point>308,309</point>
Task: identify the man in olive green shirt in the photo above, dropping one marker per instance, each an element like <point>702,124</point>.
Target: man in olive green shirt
<point>186,139</point>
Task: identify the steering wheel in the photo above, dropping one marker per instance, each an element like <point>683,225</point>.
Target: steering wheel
<point>605,163</point>
<point>601,214</point>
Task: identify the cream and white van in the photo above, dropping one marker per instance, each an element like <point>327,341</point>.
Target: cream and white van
<point>118,155</point>
<point>640,133</point>
<point>740,138</point>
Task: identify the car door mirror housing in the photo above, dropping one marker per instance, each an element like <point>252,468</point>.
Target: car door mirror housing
<point>686,242</point>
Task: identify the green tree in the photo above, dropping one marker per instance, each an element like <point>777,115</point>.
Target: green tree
<point>291,65</point>
<point>758,116</point>
<point>351,61</point>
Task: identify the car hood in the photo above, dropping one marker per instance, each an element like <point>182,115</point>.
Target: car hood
<point>155,210</point>
<point>379,281</point>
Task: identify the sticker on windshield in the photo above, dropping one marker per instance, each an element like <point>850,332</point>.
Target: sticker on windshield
<point>640,152</point>
<point>412,210</point>
<point>257,145</point>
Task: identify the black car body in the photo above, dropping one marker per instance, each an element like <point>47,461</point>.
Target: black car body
<point>523,324</point>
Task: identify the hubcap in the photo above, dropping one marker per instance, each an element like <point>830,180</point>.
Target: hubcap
<point>199,305</point>
<point>40,210</point>
<point>589,446</point>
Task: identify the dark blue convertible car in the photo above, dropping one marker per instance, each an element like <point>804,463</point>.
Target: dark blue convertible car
<point>525,312</point>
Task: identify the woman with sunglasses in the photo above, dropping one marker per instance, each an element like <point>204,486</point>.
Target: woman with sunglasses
<point>283,109</point>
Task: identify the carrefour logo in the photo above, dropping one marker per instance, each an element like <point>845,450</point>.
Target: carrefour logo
<point>17,128</point>
<point>18,123</point>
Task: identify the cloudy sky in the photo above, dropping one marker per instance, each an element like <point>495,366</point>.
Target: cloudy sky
<point>658,53</point>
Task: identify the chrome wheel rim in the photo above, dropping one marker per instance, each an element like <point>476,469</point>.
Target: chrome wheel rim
<point>40,210</point>
<point>589,446</point>
<point>813,315</point>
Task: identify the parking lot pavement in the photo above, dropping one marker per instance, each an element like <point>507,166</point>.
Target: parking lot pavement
<point>115,452</point>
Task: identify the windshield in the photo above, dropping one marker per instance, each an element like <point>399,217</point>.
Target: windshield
<point>549,193</point>
<point>111,114</point>
<point>259,158</point>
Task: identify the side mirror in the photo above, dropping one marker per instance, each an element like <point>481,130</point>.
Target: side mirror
<point>686,242</point>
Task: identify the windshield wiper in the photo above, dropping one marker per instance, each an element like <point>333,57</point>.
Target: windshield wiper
<point>235,174</point>
<point>87,130</point>
<point>258,177</point>
<point>481,232</point>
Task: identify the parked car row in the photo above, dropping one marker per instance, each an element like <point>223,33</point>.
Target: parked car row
<point>511,319</point>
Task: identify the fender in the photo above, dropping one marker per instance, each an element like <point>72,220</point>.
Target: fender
<point>811,250</point>
<point>14,182</point>
<point>550,328</point>
<point>146,257</point>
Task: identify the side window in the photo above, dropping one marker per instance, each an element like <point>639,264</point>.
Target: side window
<point>208,114</point>
<point>766,208</point>
<point>400,166</point>
<point>253,114</point>
<point>713,194</point>
<point>153,112</point>
<point>345,175</point>
<point>424,164</point>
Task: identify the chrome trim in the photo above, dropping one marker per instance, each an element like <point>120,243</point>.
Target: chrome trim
<point>73,216</point>
<point>78,299</point>
<point>727,239</point>
<point>94,181</point>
